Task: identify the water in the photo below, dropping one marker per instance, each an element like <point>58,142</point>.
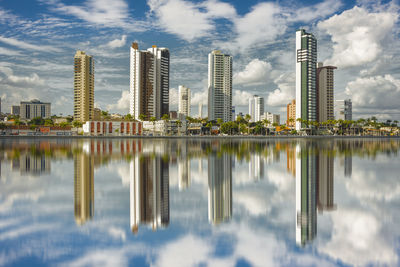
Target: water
<point>184,202</point>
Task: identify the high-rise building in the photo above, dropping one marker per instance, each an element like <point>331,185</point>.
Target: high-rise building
<point>149,192</point>
<point>83,87</point>
<point>219,188</point>
<point>325,86</point>
<point>83,187</point>
<point>219,86</point>
<point>149,82</point>
<point>344,110</point>
<point>15,110</point>
<point>306,206</point>
<point>33,109</point>
<point>306,61</point>
<point>184,100</point>
<point>291,114</point>
<point>256,108</point>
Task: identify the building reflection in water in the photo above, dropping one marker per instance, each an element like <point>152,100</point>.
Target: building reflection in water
<point>83,187</point>
<point>314,188</point>
<point>256,167</point>
<point>183,167</point>
<point>219,188</point>
<point>149,192</point>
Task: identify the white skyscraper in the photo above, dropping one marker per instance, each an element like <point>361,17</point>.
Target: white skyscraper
<point>306,63</point>
<point>184,100</point>
<point>149,82</point>
<point>256,108</point>
<point>219,86</point>
<point>200,110</point>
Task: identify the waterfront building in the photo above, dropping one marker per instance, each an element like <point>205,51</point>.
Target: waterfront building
<point>256,108</point>
<point>83,87</point>
<point>306,61</point>
<point>219,86</point>
<point>272,118</point>
<point>149,192</point>
<point>149,82</point>
<point>33,109</point>
<point>291,114</point>
<point>219,188</point>
<point>325,87</point>
<point>184,100</point>
<point>110,128</point>
<point>344,109</point>
<point>83,187</point>
<point>15,110</point>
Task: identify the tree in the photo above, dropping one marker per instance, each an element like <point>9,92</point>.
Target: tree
<point>37,121</point>
<point>77,124</point>
<point>220,121</point>
<point>247,118</point>
<point>128,117</point>
<point>142,117</point>
<point>48,122</point>
<point>165,117</point>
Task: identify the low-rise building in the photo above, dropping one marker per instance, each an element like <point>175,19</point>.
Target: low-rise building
<point>33,109</point>
<point>162,127</point>
<point>272,118</point>
<point>112,128</point>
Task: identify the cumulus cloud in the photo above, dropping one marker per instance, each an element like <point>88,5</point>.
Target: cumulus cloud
<point>11,79</point>
<point>188,20</point>
<point>28,46</point>
<point>357,35</point>
<point>117,42</point>
<point>285,91</point>
<point>262,24</point>
<point>375,92</point>
<point>200,97</point>
<point>122,104</point>
<point>241,98</point>
<point>255,73</point>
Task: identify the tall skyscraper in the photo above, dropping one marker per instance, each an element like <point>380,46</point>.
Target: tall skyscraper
<point>325,86</point>
<point>343,110</point>
<point>306,61</point>
<point>291,114</point>
<point>184,100</point>
<point>200,110</point>
<point>149,192</point>
<point>219,188</point>
<point>256,108</point>
<point>83,187</point>
<point>83,87</point>
<point>149,82</point>
<point>306,206</point>
<point>219,86</point>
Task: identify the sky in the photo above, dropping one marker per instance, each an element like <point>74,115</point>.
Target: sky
<point>38,40</point>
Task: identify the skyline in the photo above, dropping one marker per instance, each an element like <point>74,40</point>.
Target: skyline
<point>37,37</point>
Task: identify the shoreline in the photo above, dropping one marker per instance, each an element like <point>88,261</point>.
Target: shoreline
<point>205,137</point>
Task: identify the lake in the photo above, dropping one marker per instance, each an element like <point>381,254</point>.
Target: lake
<point>199,202</point>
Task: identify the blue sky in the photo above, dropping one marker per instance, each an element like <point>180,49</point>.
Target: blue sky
<point>38,40</point>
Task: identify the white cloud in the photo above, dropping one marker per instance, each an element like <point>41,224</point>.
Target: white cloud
<point>358,35</point>
<point>263,24</point>
<point>11,79</point>
<point>188,20</point>
<point>241,98</point>
<point>122,104</point>
<point>357,240</point>
<point>200,97</point>
<point>173,98</point>
<point>117,42</point>
<point>109,13</point>
<point>28,46</point>
<point>255,73</point>
<point>9,52</point>
<point>375,92</point>
<point>319,10</point>
<point>285,91</point>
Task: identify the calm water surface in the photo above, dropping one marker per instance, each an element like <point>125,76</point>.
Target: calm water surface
<point>164,202</point>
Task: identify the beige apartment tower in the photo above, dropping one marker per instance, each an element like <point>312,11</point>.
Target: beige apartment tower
<point>291,114</point>
<point>83,87</point>
<point>325,85</point>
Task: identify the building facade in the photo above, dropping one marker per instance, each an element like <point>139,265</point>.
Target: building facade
<point>219,86</point>
<point>291,114</point>
<point>272,118</point>
<point>15,110</point>
<point>33,109</point>
<point>110,128</point>
<point>83,87</point>
<point>256,108</point>
<point>325,87</point>
<point>344,110</point>
<point>184,100</point>
<point>149,82</point>
<point>306,61</point>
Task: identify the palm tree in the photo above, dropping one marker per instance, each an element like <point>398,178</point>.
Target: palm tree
<point>247,118</point>
<point>142,117</point>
